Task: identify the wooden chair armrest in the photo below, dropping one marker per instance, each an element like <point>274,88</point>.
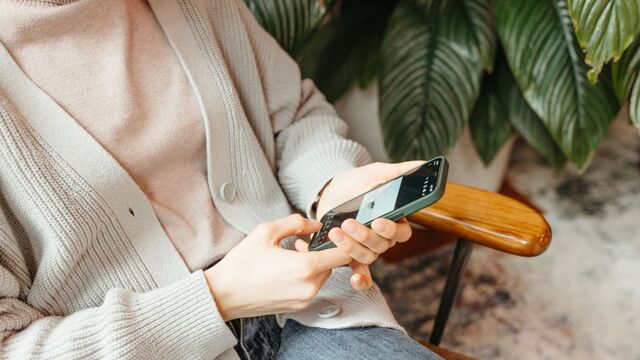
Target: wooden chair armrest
<point>489,219</point>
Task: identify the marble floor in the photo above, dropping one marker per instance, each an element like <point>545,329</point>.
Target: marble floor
<point>578,300</point>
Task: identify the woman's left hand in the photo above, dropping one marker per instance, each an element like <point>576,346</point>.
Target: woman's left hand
<point>362,243</point>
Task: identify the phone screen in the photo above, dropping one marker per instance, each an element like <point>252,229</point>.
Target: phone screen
<point>382,200</point>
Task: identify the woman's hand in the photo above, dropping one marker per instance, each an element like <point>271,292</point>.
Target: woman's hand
<point>361,243</point>
<point>258,277</point>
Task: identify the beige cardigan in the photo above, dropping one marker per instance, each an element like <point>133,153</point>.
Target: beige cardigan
<point>86,269</point>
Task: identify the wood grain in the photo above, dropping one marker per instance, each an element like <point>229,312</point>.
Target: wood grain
<point>489,219</point>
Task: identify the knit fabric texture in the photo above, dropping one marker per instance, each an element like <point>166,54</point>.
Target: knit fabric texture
<point>86,270</point>
<point>153,126</point>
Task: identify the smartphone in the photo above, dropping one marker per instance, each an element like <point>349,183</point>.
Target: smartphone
<point>398,198</point>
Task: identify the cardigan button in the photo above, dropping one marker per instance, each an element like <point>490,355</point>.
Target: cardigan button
<point>329,311</point>
<point>228,192</point>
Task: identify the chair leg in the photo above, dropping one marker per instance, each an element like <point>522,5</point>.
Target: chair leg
<point>459,261</point>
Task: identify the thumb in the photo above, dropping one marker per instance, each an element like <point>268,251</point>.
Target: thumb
<point>387,171</point>
<point>292,225</point>
<point>302,246</point>
<point>401,168</point>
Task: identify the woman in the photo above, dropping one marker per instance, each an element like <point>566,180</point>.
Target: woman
<point>151,155</point>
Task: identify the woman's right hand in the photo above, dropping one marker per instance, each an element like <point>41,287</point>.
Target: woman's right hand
<point>258,277</point>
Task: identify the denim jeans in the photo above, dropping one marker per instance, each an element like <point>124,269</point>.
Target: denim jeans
<point>261,338</point>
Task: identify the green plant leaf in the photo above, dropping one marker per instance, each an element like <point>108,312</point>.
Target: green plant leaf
<point>368,70</point>
<point>527,123</point>
<point>430,77</point>
<point>625,75</point>
<point>483,32</point>
<point>289,21</point>
<point>531,128</point>
<point>506,104</point>
<point>625,71</point>
<point>489,123</point>
<point>604,28</point>
<point>346,48</point>
<point>548,66</point>
<point>634,103</point>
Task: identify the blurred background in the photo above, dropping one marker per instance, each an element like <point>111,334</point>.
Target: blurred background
<point>537,99</point>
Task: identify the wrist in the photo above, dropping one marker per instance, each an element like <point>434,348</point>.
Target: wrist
<point>219,291</point>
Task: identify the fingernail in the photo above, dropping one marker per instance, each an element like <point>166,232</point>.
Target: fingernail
<point>351,228</point>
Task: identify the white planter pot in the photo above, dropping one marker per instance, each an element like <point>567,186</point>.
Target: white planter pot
<point>359,107</point>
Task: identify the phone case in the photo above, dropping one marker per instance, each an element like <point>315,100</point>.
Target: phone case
<point>412,207</point>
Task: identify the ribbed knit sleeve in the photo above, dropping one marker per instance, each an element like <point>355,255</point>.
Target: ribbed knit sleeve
<point>313,151</point>
<point>173,322</point>
<point>311,141</point>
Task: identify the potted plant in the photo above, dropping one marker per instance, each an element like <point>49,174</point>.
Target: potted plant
<point>552,71</point>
